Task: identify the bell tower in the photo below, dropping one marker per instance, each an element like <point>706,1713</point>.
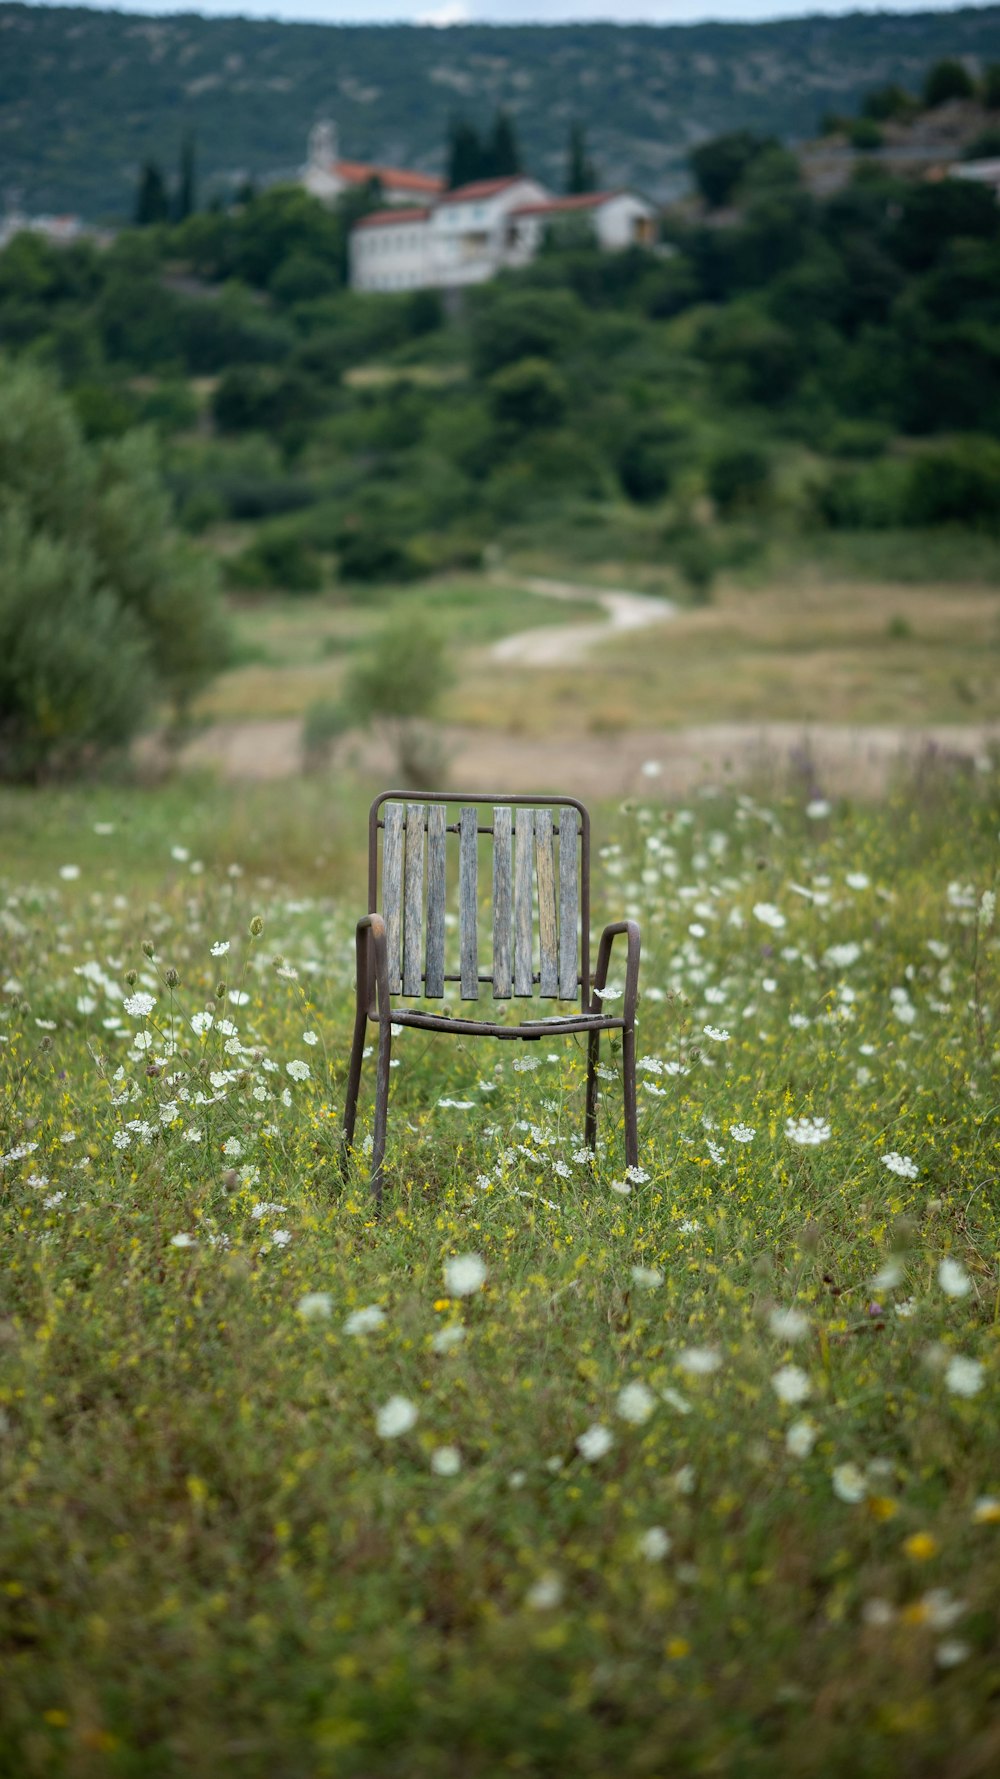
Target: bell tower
<point>324,150</point>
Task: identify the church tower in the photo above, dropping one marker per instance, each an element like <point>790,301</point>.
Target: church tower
<point>324,149</point>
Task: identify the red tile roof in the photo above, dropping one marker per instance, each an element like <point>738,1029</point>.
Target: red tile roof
<point>588,200</point>
<point>360,172</point>
<point>380,219</point>
<point>481,188</point>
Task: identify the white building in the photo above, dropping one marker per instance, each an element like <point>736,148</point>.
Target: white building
<point>469,235</point>
<point>986,172</point>
<point>327,177</point>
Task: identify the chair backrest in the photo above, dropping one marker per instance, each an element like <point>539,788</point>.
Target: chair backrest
<point>539,893</point>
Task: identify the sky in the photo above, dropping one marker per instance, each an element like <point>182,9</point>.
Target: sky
<point>521,12</point>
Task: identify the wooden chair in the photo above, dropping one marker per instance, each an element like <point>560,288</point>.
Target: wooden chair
<point>401,950</point>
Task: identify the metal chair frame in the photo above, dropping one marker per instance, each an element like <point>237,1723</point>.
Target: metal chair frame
<point>374,990</point>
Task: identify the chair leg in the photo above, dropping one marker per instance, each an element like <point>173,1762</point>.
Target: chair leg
<point>381,1106</point>
<point>590,1120</point>
<point>628,1082</point>
<point>353,1086</point>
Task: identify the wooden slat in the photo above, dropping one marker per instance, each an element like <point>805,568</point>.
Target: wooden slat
<point>523,984</point>
<point>413,901</point>
<point>502,980</point>
<point>545,871</point>
<point>437,820</point>
<point>392,887</point>
<point>569,904</point>
<point>468,862</point>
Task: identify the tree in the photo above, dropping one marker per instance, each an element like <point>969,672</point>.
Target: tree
<point>947,80</point>
<point>185,203</point>
<point>528,395</point>
<point>991,86</point>
<point>104,610</point>
<point>152,203</point>
<point>502,158</point>
<point>465,153</point>
<point>581,175</point>
<point>887,103</point>
<point>397,687</point>
<point>719,166</point>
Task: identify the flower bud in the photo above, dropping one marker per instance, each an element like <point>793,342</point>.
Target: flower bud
<point>131,977</point>
<point>171,977</point>
<point>148,948</point>
<point>256,926</point>
<point>220,991</point>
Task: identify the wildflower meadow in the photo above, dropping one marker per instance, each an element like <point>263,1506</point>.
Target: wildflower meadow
<point>552,1467</point>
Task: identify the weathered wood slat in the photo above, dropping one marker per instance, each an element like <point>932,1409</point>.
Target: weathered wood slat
<point>468,896</point>
<point>437,821</point>
<point>546,875</point>
<point>569,904</point>
<point>392,888</point>
<point>413,901</point>
<point>502,980</point>
<point>524,850</point>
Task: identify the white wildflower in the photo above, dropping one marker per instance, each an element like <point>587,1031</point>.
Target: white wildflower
<point>299,1071</point>
<point>849,1483</point>
<point>800,1438</point>
<point>654,1544</point>
<point>544,1594</point>
<point>963,1377</point>
<point>595,1442</point>
<point>315,1306</point>
<point>395,1417</point>
<point>451,1335</point>
<point>464,1275</point>
<point>953,1278</point>
<point>791,1384</point>
<point>902,1165</point>
<point>769,915</point>
<point>790,1324</point>
<point>698,1361</point>
<point>808,1132</point>
<point>446,1460</point>
<point>139,1006</point>
<point>635,1402</point>
<point>648,1278</point>
<point>220,948</point>
<point>364,1321</point>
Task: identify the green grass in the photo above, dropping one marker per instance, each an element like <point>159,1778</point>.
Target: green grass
<point>212,1560</point>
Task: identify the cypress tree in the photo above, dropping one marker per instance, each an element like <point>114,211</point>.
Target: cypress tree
<point>503,156</point>
<point>580,172</point>
<point>465,153</point>
<point>186,180</point>
<point>152,203</point>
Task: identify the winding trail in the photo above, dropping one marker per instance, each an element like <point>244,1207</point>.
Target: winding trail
<point>556,645</point>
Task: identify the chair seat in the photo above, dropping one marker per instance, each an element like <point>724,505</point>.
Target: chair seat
<point>559,1026</point>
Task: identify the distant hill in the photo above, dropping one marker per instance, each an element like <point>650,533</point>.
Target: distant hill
<point>85,96</point>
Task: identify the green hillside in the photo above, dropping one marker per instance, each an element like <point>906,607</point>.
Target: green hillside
<point>85,96</point>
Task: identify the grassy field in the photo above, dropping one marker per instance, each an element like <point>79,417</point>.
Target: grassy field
<point>804,641</point>
<point>689,1472</point>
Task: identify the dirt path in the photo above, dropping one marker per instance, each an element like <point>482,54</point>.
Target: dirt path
<point>558,644</point>
<point>837,758</point>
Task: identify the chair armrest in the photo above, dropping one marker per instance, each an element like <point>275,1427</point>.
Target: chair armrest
<point>631,930</point>
<point>372,965</point>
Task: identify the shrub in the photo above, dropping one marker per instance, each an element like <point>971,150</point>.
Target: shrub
<point>510,326</point>
<point>885,104</point>
<point>871,499</point>
<point>528,394</point>
<point>645,462</point>
<point>720,165</point>
<point>865,135</point>
<point>946,80</point>
<point>103,609</point>
<point>277,559</point>
<point>738,480</point>
<point>955,483</point>
<point>367,552</point>
<point>397,686</point>
<point>990,91</point>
